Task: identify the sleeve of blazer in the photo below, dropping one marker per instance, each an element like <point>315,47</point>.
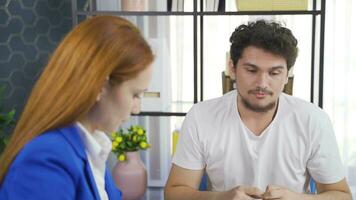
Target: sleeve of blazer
<point>42,170</point>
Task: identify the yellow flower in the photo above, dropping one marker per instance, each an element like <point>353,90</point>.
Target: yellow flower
<point>114,145</point>
<point>113,135</point>
<point>121,157</point>
<point>118,139</point>
<point>134,138</point>
<point>143,145</point>
<point>131,140</point>
<point>140,131</point>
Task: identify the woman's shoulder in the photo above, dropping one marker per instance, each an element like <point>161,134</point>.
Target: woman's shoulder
<point>49,161</point>
<point>49,140</point>
<point>50,145</point>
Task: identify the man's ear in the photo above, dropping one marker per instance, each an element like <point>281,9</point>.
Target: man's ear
<point>232,70</point>
<point>289,74</point>
<point>286,81</point>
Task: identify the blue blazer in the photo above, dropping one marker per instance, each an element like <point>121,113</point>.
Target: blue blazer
<point>54,166</point>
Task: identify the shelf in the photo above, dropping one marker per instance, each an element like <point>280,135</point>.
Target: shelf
<point>134,13</point>
<point>161,114</point>
<point>163,13</point>
<point>275,12</point>
<point>316,12</point>
<point>174,109</point>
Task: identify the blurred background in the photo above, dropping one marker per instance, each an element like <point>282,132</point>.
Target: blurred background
<point>31,29</point>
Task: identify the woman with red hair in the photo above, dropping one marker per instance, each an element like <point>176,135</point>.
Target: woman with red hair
<point>91,85</point>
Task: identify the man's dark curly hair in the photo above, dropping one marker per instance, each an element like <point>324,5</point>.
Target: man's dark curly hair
<point>270,36</point>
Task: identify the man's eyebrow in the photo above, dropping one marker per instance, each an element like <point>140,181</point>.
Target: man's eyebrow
<point>256,67</point>
<point>250,65</point>
<point>278,67</point>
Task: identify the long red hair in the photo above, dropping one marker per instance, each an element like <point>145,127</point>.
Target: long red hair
<point>99,47</point>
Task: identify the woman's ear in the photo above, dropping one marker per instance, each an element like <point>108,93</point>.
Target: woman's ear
<point>98,97</point>
<point>103,90</point>
<point>232,70</point>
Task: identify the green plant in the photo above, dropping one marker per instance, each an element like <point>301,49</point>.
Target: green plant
<point>6,121</point>
<point>133,140</point>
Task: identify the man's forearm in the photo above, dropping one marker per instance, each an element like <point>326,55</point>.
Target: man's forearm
<point>329,195</point>
<point>187,193</point>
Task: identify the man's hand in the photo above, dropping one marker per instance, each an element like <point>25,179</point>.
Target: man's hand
<point>280,193</point>
<point>242,193</point>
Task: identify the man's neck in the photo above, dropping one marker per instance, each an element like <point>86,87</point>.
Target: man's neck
<point>257,122</point>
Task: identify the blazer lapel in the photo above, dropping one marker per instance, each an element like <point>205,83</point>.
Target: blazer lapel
<point>71,133</point>
<point>110,186</point>
<point>91,180</point>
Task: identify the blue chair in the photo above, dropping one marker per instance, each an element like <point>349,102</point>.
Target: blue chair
<point>204,183</point>
<point>312,186</point>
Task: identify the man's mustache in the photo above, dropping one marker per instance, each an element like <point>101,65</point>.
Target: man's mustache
<point>260,90</point>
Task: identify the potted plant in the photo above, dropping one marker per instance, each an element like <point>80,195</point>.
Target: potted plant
<point>129,173</point>
<point>133,140</point>
<point>6,121</point>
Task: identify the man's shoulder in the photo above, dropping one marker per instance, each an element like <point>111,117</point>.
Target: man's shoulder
<point>211,110</point>
<point>301,106</point>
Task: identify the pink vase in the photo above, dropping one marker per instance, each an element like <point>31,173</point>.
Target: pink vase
<point>134,5</point>
<point>131,176</point>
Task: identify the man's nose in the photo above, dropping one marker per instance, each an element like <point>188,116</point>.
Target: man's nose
<point>262,80</point>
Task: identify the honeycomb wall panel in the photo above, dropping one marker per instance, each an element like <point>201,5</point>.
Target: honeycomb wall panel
<point>29,32</point>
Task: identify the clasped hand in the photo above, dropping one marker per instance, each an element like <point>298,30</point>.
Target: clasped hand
<point>272,192</point>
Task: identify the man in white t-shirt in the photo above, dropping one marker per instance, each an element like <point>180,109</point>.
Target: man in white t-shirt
<point>257,142</point>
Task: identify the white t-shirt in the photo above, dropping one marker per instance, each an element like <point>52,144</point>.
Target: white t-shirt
<point>299,141</point>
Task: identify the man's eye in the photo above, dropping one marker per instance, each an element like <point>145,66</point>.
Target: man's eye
<point>274,73</point>
<point>251,70</point>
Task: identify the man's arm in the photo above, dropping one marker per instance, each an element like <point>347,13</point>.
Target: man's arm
<point>183,184</point>
<point>335,191</point>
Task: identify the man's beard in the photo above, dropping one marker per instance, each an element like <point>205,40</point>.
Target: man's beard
<point>257,108</point>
